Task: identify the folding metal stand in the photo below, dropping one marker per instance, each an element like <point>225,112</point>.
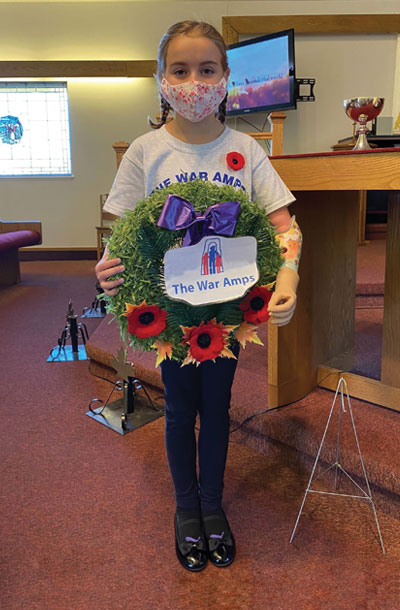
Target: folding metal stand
<point>366,496</point>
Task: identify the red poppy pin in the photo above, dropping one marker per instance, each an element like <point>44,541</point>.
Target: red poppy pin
<point>235,160</point>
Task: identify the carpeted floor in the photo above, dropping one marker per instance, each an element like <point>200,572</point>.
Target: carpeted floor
<point>371,267</point>
<point>86,515</point>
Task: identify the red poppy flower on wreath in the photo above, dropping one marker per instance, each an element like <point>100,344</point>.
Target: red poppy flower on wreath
<point>235,160</point>
<point>255,305</point>
<point>207,341</point>
<point>145,320</point>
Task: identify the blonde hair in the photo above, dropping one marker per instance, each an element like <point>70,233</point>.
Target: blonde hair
<point>199,28</point>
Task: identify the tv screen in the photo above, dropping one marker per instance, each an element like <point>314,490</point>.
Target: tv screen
<point>262,74</point>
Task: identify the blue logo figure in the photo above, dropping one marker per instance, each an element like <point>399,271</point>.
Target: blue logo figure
<point>211,260</point>
<point>10,129</point>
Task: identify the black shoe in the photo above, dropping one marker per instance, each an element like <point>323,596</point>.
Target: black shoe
<point>221,548</point>
<point>191,552</point>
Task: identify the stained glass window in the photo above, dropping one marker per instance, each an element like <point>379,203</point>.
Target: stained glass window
<point>34,129</point>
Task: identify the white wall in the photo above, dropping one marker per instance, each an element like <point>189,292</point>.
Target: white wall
<point>344,67</point>
<point>101,112</point>
<point>105,111</point>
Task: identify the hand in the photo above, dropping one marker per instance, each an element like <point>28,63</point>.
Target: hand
<point>283,301</point>
<point>281,307</point>
<point>105,269</point>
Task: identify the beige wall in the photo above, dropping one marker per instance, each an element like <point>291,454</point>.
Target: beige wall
<point>105,111</point>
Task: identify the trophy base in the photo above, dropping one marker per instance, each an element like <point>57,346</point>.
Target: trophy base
<point>362,143</point>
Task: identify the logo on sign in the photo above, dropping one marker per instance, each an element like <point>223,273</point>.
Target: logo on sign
<point>211,260</point>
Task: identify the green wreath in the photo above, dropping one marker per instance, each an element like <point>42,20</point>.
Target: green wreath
<point>148,318</point>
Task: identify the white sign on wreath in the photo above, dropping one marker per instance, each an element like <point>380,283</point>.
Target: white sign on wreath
<point>214,270</point>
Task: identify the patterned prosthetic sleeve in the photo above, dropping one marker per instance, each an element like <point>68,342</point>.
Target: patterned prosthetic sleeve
<point>290,241</point>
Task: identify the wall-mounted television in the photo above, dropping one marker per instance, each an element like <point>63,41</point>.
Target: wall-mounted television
<point>262,74</point>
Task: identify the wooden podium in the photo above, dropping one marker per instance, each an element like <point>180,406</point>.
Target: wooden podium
<point>319,341</point>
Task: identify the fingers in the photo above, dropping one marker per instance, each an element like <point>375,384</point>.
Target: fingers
<point>111,288</point>
<point>107,263</point>
<point>282,315</point>
<point>109,272</point>
<point>281,321</point>
<point>111,293</point>
<point>281,308</point>
<point>282,318</point>
<point>104,276</point>
<point>106,269</point>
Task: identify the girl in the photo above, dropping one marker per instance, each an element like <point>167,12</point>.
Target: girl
<point>192,75</point>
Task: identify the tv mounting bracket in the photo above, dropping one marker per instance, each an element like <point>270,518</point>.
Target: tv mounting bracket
<point>305,81</point>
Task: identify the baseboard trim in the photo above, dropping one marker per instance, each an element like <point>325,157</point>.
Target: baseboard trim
<point>57,254</point>
<point>377,230</point>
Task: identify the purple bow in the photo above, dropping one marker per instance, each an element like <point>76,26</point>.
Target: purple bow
<point>178,213</point>
<point>215,540</point>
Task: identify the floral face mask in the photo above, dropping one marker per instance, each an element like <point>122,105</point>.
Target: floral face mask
<point>194,100</point>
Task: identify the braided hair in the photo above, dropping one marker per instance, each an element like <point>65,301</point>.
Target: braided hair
<point>222,110</point>
<point>165,110</point>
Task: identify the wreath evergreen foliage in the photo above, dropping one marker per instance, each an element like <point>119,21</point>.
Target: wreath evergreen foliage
<point>141,244</point>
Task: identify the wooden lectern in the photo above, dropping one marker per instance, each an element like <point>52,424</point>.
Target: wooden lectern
<point>320,338</point>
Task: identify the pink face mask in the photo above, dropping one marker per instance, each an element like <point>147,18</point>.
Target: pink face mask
<point>194,100</point>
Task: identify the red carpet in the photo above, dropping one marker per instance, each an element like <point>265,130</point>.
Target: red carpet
<point>86,515</point>
<point>371,274</point>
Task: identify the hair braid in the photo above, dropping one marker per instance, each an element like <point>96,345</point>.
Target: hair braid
<point>222,109</point>
<point>165,109</point>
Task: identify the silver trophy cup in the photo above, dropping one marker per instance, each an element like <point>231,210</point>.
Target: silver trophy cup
<point>362,110</point>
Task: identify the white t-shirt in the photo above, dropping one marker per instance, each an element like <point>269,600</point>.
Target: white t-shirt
<point>157,159</point>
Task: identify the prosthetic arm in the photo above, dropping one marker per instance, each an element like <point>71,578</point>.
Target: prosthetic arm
<point>283,300</point>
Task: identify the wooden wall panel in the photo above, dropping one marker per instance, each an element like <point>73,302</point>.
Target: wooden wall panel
<point>232,27</point>
<point>70,69</point>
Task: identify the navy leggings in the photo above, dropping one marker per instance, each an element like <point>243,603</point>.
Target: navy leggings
<point>206,390</point>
